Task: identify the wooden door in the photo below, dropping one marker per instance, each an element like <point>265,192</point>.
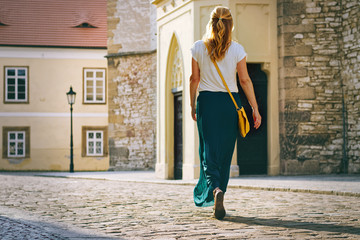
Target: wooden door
<point>252,150</point>
<point>178,136</point>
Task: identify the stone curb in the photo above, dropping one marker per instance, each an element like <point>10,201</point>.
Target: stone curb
<point>238,186</point>
<point>313,191</point>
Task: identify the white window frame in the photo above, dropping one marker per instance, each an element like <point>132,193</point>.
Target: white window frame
<point>94,79</point>
<point>16,141</point>
<point>16,77</point>
<point>94,141</point>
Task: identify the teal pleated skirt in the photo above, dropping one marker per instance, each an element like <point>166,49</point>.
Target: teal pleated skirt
<point>217,123</point>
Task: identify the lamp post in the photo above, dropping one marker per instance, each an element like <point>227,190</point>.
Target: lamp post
<point>71,100</point>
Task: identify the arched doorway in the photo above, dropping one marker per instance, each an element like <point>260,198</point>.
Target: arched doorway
<point>252,150</point>
<point>177,90</point>
<point>174,115</point>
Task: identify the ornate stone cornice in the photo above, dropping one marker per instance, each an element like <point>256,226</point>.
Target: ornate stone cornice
<point>123,54</point>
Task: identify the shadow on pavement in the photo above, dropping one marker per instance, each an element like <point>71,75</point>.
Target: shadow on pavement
<point>11,228</point>
<point>273,222</point>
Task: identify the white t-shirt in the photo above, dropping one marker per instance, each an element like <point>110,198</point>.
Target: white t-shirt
<point>210,79</point>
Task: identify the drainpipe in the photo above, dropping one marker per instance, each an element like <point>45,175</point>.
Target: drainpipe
<point>344,160</point>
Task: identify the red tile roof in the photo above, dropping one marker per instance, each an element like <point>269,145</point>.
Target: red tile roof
<point>53,23</point>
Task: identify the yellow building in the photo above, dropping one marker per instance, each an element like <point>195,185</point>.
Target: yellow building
<point>180,24</point>
<point>40,58</point>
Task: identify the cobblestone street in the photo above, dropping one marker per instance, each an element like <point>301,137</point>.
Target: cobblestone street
<point>130,210</point>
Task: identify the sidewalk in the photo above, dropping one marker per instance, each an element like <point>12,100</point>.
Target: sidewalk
<point>347,185</point>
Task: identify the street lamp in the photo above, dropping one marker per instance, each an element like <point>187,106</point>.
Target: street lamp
<point>71,100</point>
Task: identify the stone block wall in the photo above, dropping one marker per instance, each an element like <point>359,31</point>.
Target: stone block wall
<point>311,86</point>
<point>132,112</point>
<point>350,31</point>
<point>132,84</point>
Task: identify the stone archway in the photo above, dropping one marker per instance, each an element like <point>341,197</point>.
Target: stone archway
<point>173,114</point>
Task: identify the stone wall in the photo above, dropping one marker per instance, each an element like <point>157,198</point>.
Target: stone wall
<point>131,84</point>
<point>131,26</point>
<point>350,31</point>
<point>311,86</point>
<point>132,112</point>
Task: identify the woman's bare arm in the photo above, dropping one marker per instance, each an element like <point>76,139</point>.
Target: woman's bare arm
<point>194,84</point>
<point>248,88</point>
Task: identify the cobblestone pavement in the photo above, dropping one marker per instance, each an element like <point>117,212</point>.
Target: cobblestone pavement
<point>162,211</point>
<point>15,229</point>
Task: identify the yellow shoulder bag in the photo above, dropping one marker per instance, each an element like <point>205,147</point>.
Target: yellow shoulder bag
<point>244,126</point>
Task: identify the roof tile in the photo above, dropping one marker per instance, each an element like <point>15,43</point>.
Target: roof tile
<point>53,23</point>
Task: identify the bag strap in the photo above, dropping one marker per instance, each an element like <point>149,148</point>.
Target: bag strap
<point>226,86</point>
<point>222,78</point>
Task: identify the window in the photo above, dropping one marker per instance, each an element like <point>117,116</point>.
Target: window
<point>94,141</point>
<point>16,84</point>
<point>94,85</point>
<point>85,25</point>
<point>16,142</point>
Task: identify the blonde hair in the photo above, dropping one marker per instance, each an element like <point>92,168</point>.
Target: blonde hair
<point>218,33</point>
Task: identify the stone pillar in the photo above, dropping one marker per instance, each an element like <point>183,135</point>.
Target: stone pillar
<point>350,73</point>
<point>311,85</point>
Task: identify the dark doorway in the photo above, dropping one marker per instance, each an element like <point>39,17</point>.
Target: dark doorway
<point>252,150</point>
<point>178,142</point>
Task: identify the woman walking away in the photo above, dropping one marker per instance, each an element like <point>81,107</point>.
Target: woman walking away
<point>214,111</point>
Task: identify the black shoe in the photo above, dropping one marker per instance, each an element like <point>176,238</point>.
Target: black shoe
<point>219,210</point>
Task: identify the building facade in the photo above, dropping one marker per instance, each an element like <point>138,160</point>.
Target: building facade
<point>303,60</point>
<point>40,58</point>
<point>132,84</point>
<point>132,109</point>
